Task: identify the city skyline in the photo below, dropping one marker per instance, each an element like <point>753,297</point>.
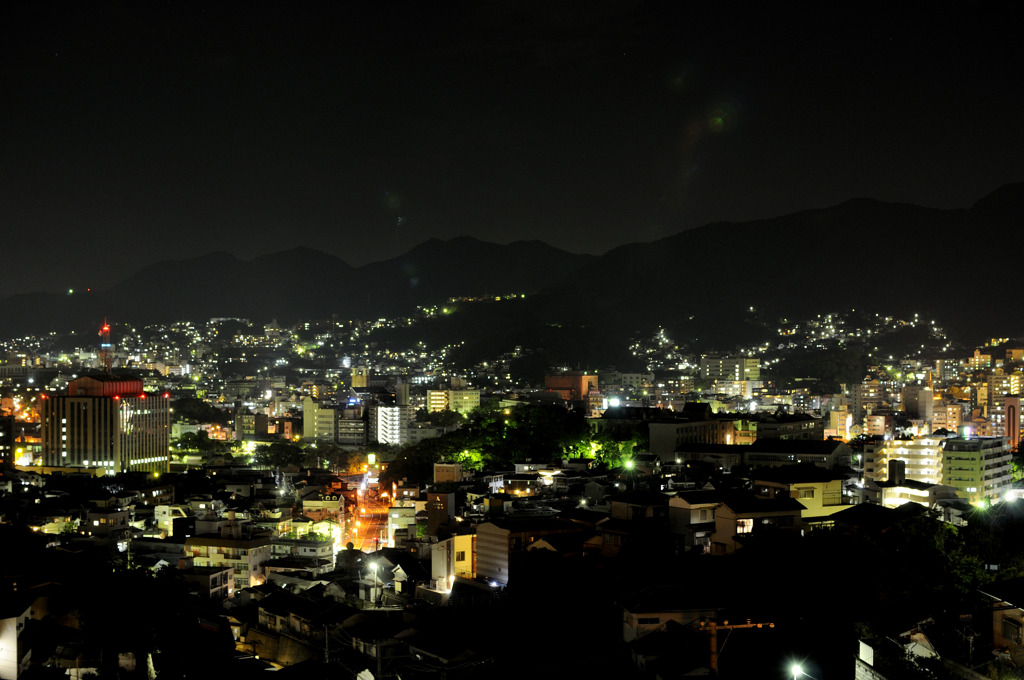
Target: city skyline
<point>149,133</point>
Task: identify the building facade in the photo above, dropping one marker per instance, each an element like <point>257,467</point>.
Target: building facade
<point>107,422</point>
<point>977,467</point>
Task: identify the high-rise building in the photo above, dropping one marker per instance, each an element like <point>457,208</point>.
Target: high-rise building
<point>390,424</point>
<point>318,421</point>
<point>918,402</point>
<point>864,397</point>
<point>7,439</point>
<point>107,421</point>
<point>1011,425</point>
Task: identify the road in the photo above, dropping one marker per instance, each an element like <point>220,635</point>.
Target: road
<point>372,517</point>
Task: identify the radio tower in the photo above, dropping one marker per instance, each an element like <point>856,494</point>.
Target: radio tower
<point>106,356</point>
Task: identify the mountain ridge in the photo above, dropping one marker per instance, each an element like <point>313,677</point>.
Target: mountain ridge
<point>700,282</point>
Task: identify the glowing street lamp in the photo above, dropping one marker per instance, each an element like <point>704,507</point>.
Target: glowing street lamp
<point>375,581</point>
<point>796,670</point>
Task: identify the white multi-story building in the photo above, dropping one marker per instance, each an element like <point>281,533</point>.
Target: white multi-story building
<point>390,424</point>
<point>922,457</point>
<point>244,555</point>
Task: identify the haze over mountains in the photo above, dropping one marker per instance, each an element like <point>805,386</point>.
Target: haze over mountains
<point>701,283</point>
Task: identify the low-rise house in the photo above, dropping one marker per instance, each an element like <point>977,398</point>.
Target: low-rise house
<point>893,494</point>
<point>501,542</point>
<point>324,504</point>
<point>1007,598</point>
<point>523,484</point>
<point>820,491</point>
<point>311,552</point>
<point>652,608</point>
<point>110,522</point>
<point>214,583</point>
<point>691,516</point>
<point>15,652</point>
<point>743,516</point>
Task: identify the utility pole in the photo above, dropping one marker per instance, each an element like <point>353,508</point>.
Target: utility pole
<point>713,627</point>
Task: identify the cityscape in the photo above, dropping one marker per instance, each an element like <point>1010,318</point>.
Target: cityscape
<point>323,500</point>
<point>524,338</point>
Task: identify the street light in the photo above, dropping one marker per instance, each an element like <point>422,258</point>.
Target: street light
<point>373,594</point>
<point>798,671</point>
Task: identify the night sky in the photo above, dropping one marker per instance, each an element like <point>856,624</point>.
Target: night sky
<point>137,132</point>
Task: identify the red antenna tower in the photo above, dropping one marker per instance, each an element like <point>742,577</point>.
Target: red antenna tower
<point>106,356</point>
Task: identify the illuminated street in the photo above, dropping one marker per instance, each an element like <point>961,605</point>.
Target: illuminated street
<point>372,518</point>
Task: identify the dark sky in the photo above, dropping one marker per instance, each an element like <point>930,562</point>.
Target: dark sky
<point>137,132</point>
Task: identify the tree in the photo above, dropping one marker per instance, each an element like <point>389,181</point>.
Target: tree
<point>279,454</point>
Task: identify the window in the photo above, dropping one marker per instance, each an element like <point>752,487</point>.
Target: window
<point>744,526</point>
<point>704,515</point>
<point>648,621</point>
<point>806,493</point>
<point>460,556</point>
<point>1012,630</point>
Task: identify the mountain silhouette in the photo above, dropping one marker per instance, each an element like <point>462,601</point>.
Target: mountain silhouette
<point>719,284</point>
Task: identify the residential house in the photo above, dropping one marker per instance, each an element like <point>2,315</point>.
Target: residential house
<point>652,608</point>
<point>820,491</point>
<point>1007,598</point>
<point>691,516</point>
<point>15,652</point>
<point>214,583</point>
<point>454,556</point>
<point>742,517</point>
<point>500,543</point>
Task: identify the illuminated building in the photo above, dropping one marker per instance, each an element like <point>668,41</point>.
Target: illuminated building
<point>243,555</point>
<point>106,421</point>
<point>922,458</point>
<point>360,376</point>
<point>454,556</point>
<point>15,635</point>
<point>502,543</point>
<point>1000,387</point>
<point>947,417</point>
<point>390,424</point>
<point>815,488</point>
<point>979,362</point>
<point>863,397</point>
<point>460,401</point>
<point>6,439</point>
<point>318,422</point>
<point>573,385</point>
<point>790,426</point>
<point>448,472</point>
<point>977,467</point>
<point>730,368</point>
